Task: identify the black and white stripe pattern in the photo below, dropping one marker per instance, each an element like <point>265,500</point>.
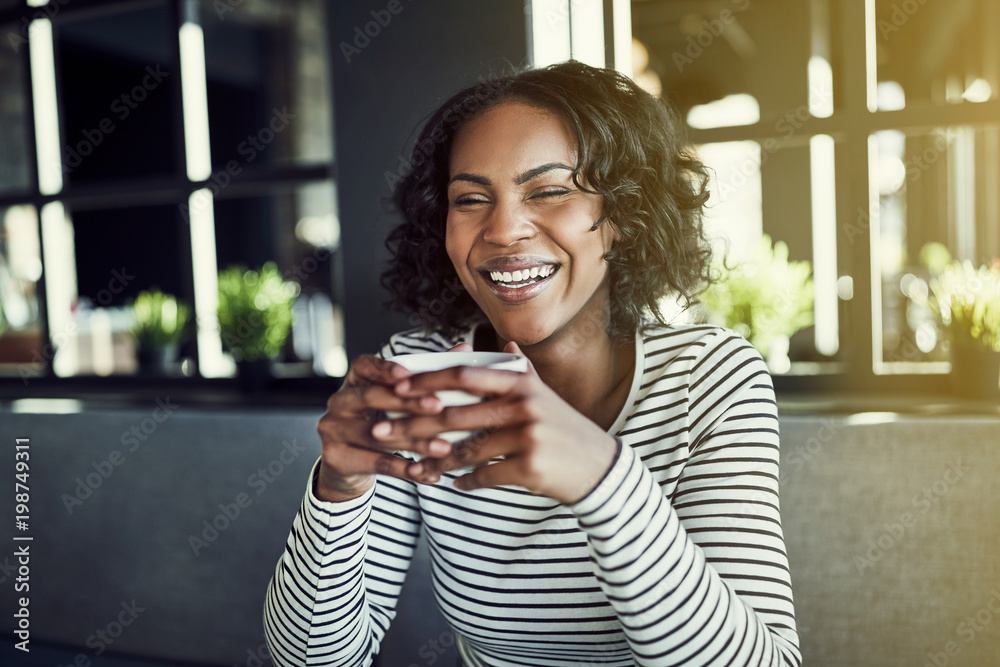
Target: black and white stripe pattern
<point>675,558</point>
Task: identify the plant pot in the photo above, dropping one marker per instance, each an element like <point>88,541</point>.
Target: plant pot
<point>975,371</point>
<point>156,362</point>
<point>252,377</point>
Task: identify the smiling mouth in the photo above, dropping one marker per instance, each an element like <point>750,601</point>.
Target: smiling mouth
<point>522,278</point>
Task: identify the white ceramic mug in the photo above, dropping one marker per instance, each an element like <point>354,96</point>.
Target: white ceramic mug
<point>435,361</point>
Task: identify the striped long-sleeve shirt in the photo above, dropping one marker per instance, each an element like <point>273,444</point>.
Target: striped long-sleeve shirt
<point>675,558</point>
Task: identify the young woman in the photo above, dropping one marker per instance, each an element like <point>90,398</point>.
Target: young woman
<point>619,504</point>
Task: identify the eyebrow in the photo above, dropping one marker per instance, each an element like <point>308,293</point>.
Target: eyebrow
<point>520,180</point>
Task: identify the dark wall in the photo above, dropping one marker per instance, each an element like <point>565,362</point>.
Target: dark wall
<point>423,54</point>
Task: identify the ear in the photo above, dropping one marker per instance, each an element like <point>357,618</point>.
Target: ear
<point>610,235</point>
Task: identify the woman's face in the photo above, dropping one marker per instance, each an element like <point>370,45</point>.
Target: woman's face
<point>519,231</point>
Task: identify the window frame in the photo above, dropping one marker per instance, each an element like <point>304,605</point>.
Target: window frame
<point>850,125</point>
<point>174,189</point>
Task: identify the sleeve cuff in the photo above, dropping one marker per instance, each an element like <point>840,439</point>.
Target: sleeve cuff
<point>329,509</point>
<point>608,485</point>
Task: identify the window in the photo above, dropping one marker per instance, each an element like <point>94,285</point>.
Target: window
<point>855,132</point>
<point>153,144</point>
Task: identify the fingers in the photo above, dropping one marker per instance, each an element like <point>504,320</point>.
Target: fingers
<point>363,399</point>
<point>352,454</point>
<point>354,448</point>
<point>368,387</point>
<point>368,369</point>
<point>490,415</point>
<point>474,380</point>
<point>477,449</point>
<point>339,432</point>
<point>488,476</point>
<point>358,461</point>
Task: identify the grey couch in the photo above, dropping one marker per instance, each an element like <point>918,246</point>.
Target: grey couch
<point>892,527</point>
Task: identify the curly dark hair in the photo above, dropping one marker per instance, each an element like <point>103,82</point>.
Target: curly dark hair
<point>632,152</point>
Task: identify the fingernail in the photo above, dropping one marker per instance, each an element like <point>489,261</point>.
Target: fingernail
<point>399,371</point>
<point>416,469</point>
<point>402,386</point>
<point>440,447</point>
<point>381,429</point>
<point>429,402</point>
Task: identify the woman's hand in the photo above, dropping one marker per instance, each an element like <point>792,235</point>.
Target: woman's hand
<point>547,446</point>
<point>351,455</point>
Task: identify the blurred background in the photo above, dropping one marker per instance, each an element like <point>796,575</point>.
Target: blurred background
<point>152,145</point>
<point>193,204</point>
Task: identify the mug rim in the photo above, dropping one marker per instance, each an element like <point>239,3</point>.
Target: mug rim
<point>480,359</point>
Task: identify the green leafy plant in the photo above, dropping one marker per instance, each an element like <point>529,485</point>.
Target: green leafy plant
<point>255,311</point>
<point>160,320</point>
<point>965,300</point>
<point>764,297</point>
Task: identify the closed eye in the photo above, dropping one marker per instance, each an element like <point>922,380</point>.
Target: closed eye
<point>549,194</point>
<point>469,200</point>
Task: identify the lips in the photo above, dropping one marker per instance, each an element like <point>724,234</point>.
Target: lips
<point>518,278</point>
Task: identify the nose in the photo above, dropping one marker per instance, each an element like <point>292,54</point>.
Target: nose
<point>506,224</point>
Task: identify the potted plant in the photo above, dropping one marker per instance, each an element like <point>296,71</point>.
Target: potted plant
<point>255,317</point>
<point>160,325</point>
<point>765,298</point>
<point>965,301</point>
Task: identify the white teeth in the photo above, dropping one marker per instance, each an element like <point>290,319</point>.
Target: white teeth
<point>522,275</point>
